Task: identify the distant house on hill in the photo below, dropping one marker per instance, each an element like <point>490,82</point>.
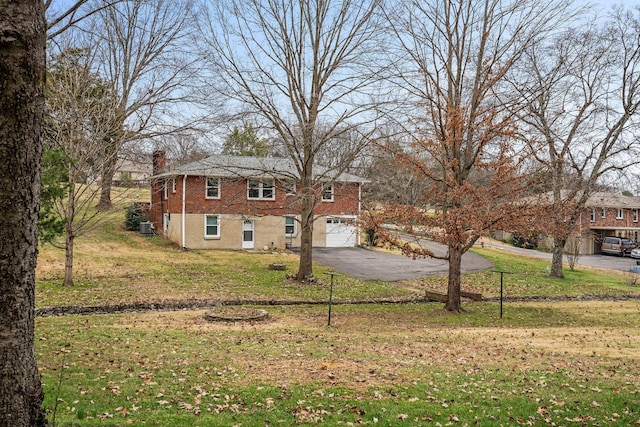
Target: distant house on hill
<point>132,173</point>
<point>237,202</point>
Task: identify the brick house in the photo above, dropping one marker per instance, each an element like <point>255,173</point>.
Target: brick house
<point>236,202</point>
<point>606,214</point>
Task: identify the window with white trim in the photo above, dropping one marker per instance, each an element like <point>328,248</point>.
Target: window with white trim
<point>260,190</point>
<point>327,193</point>
<point>213,188</point>
<point>620,214</point>
<point>635,215</point>
<point>290,187</point>
<point>593,215</point>
<point>173,185</point>
<point>211,226</point>
<point>289,225</point>
<point>603,213</point>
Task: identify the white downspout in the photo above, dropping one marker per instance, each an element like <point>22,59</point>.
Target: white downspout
<point>184,211</point>
<point>359,213</point>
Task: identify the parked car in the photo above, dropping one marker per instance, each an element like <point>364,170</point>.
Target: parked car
<point>635,253</point>
<point>617,246</point>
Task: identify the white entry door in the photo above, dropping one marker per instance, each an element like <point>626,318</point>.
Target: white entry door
<point>247,234</point>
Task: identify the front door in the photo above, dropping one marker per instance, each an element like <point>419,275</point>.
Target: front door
<point>247,234</point>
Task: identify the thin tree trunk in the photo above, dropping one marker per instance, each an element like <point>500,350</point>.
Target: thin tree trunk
<point>558,255</point>
<point>68,259</point>
<point>22,73</point>
<point>453,289</point>
<point>69,235</point>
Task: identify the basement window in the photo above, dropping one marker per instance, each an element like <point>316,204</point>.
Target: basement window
<point>211,226</point>
<point>289,226</point>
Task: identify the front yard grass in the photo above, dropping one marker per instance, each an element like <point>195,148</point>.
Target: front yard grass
<point>544,363</point>
<point>556,363</point>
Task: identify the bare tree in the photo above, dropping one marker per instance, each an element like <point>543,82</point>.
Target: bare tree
<point>450,57</point>
<point>141,51</point>
<point>302,69</point>
<point>580,93</point>
<point>22,78</point>
<point>389,181</point>
<point>80,116</point>
<point>574,247</point>
<point>182,149</point>
<point>63,16</point>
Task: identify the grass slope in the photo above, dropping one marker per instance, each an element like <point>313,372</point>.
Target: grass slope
<point>543,363</point>
<point>555,363</point>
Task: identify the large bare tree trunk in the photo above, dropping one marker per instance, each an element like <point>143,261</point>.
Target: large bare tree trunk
<point>305,267</point>
<point>306,255</point>
<point>453,288</point>
<point>112,144</point>
<point>558,255</point>
<point>22,74</point>
<point>108,172</point>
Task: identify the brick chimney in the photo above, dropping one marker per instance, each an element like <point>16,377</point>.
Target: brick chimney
<point>159,161</point>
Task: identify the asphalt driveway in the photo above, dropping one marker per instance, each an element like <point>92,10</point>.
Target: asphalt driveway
<point>376,265</point>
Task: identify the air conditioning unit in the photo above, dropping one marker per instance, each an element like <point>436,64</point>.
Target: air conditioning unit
<point>146,227</point>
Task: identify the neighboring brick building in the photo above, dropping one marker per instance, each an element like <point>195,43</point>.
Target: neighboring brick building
<point>606,214</point>
<point>236,202</point>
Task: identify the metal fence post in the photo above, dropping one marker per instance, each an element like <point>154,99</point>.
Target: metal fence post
<point>329,273</point>
<point>502,273</point>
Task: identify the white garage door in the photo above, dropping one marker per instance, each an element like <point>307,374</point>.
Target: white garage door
<point>340,233</point>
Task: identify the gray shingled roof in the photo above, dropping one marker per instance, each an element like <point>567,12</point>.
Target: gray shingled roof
<point>253,167</point>
<point>610,200</point>
<point>599,199</point>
